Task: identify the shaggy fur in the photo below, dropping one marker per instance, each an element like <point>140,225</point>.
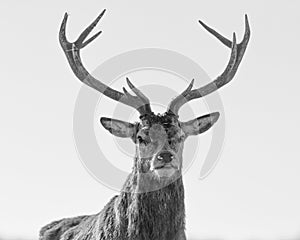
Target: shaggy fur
<point>133,214</point>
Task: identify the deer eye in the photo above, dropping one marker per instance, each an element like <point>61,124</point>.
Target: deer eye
<point>176,140</point>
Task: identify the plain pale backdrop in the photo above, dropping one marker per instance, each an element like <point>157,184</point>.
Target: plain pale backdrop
<point>254,190</point>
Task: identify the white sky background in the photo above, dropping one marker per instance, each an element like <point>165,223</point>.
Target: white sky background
<point>253,191</point>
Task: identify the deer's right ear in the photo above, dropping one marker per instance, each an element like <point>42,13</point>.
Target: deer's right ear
<point>118,128</point>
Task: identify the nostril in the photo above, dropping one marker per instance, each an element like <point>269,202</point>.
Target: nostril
<point>165,157</point>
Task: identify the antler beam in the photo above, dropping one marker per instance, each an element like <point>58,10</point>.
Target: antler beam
<point>72,51</point>
<point>237,53</point>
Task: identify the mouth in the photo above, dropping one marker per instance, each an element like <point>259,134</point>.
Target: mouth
<point>165,166</point>
<point>164,172</point>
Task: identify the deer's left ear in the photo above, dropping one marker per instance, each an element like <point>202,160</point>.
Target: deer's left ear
<point>118,128</point>
<point>200,124</point>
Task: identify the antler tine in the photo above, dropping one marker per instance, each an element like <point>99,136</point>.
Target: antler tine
<point>88,30</point>
<point>137,91</point>
<point>172,108</point>
<point>241,46</point>
<point>140,95</point>
<point>72,52</point>
<point>237,53</point>
<point>223,39</point>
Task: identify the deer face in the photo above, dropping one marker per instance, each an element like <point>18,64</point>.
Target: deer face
<point>159,140</point>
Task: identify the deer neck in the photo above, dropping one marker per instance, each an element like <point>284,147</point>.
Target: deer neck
<point>147,212</point>
<point>157,214</point>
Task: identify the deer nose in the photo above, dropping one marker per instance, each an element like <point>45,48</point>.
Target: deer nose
<point>165,157</point>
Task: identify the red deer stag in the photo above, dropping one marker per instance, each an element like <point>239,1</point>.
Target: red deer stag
<point>151,204</point>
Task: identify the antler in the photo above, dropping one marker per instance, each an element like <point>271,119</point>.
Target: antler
<point>72,51</point>
<point>237,53</point>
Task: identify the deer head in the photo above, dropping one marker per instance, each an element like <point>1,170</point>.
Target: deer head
<point>159,138</point>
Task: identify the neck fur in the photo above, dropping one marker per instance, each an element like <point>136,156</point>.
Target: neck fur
<point>156,214</point>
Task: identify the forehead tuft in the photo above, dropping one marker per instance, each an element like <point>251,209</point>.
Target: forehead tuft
<point>166,120</point>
